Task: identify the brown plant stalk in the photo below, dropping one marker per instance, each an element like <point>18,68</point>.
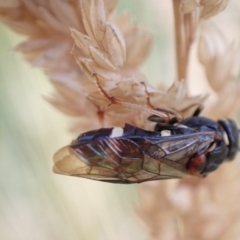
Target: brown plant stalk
<point>93,59</point>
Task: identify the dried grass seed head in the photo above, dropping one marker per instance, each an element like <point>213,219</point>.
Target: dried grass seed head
<point>207,8</point>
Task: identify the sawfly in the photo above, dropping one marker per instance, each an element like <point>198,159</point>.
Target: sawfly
<point>194,146</point>
<point>177,148</point>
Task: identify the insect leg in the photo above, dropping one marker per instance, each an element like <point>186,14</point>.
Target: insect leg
<point>198,111</point>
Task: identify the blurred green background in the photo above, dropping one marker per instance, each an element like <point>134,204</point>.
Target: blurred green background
<point>34,202</point>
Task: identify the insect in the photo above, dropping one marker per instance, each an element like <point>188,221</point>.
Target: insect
<point>194,146</point>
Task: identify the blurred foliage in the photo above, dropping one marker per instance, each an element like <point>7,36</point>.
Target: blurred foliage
<point>158,20</point>
<point>35,203</point>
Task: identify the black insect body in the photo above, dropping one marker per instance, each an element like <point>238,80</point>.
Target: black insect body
<point>195,146</point>
<point>222,149</point>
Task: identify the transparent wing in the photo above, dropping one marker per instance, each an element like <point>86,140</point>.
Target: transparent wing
<point>113,160</point>
<point>122,160</point>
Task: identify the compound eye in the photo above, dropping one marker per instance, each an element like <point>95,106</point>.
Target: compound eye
<point>239,141</point>
<point>231,129</point>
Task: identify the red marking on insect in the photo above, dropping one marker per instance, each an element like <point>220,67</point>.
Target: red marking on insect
<point>197,164</point>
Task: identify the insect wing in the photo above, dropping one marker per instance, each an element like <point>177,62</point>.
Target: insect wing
<point>111,159</point>
<point>123,160</point>
<point>178,147</point>
<point>175,152</point>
